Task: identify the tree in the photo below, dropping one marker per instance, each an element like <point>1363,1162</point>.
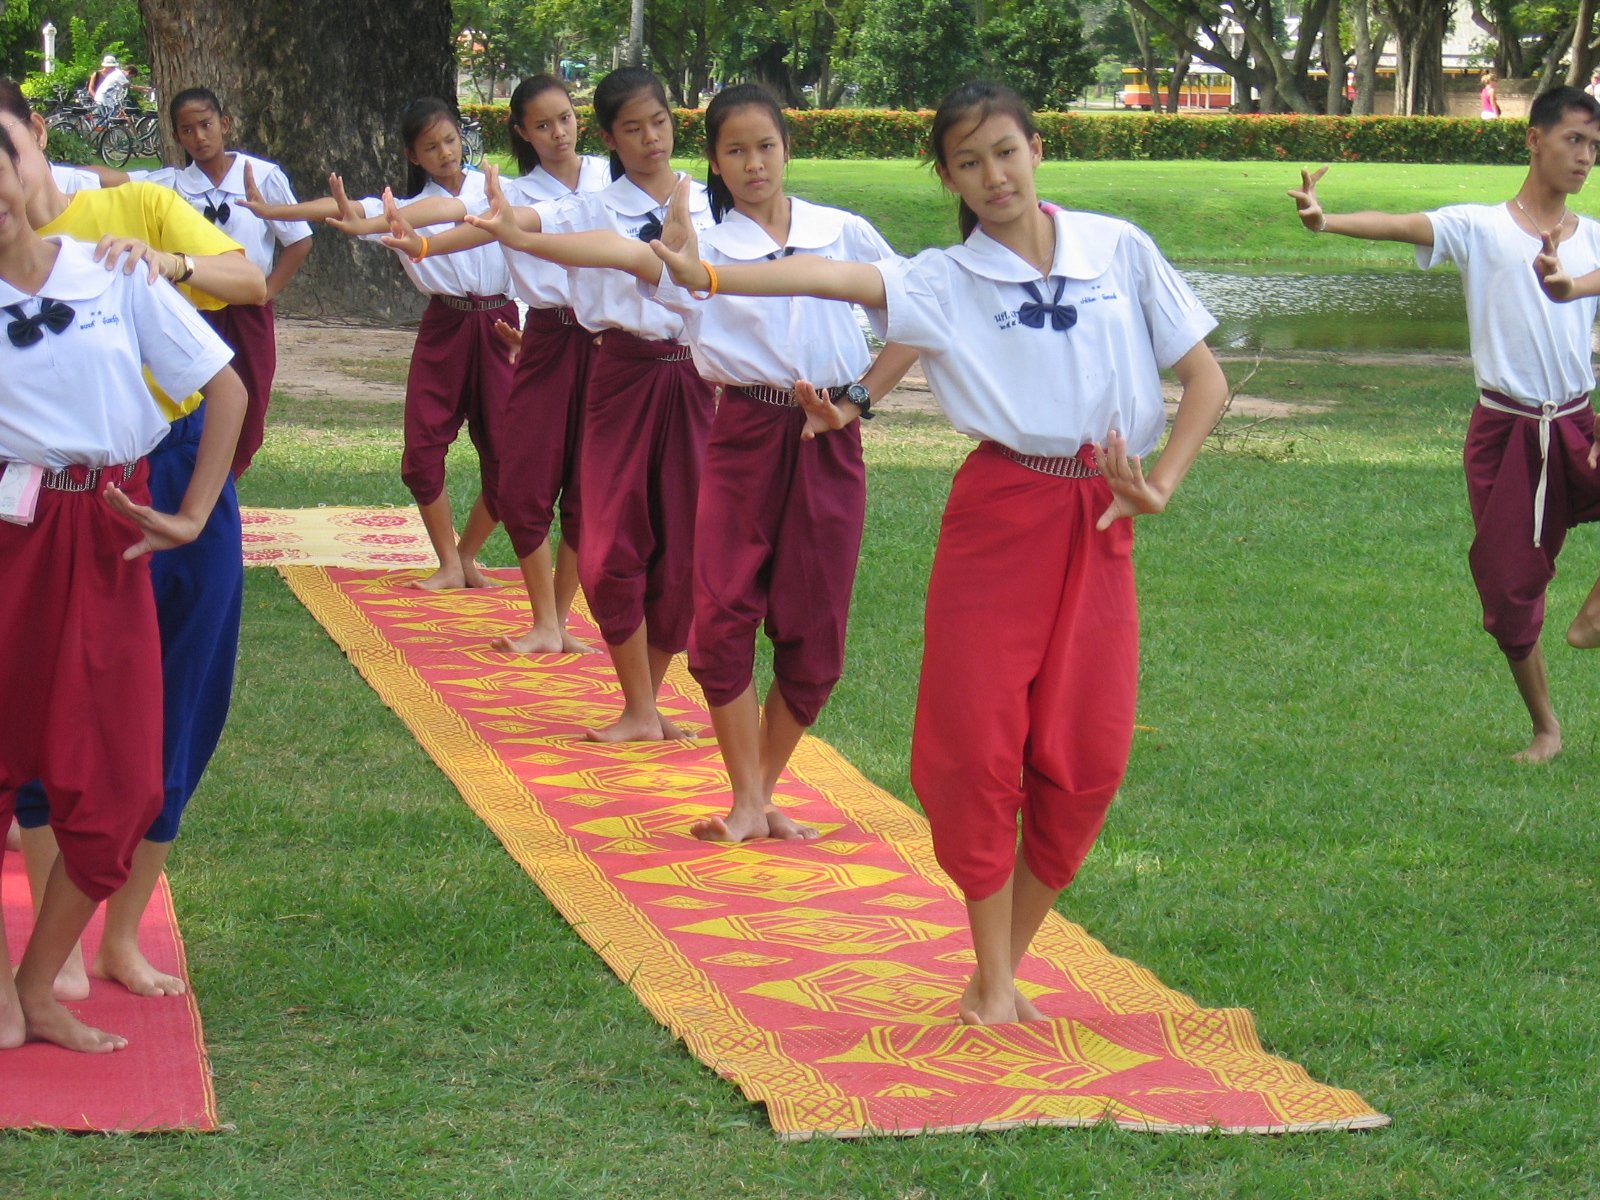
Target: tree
<point>499,40</point>
<point>1419,28</point>
<point>1037,47</point>
<point>315,87</point>
<point>912,52</point>
<point>1201,28</point>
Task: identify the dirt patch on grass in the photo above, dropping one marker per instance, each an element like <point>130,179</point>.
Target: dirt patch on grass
<point>338,360</point>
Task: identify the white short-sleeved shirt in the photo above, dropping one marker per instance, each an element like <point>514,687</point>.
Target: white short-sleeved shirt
<point>1524,345</point>
<point>73,179</point>
<point>259,238</point>
<point>778,340</point>
<point>541,284</point>
<point>608,299</point>
<point>480,271</point>
<point>1044,391</point>
<point>78,396</point>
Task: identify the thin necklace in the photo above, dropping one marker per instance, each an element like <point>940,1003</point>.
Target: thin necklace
<point>1564,214</point>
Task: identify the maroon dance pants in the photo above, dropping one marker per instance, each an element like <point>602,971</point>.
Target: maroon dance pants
<point>1030,670</point>
<point>646,418</point>
<point>537,432</point>
<point>459,370</point>
<point>1502,467</point>
<point>777,534</point>
<point>80,679</point>
<point>250,333</point>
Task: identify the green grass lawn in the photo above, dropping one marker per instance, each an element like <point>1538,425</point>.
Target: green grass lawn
<point>1322,826</point>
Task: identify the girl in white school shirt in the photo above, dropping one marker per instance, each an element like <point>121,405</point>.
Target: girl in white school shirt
<point>459,366</point>
<point>215,183</point>
<point>778,524</point>
<point>1041,337</point>
<point>536,433</point>
<point>80,681</point>
<point>646,411</point>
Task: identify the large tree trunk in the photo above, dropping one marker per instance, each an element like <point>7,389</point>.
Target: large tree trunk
<point>1582,61</point>
<point>1333,62</point>
<point>315,88</point>
<point>1419,29</point>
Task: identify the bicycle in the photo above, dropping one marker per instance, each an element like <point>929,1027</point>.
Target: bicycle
<point>472,142</point>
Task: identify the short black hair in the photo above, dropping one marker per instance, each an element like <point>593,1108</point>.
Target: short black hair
<point>1549,107</point>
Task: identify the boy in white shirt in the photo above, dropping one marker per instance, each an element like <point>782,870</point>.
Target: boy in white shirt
<point>1527,455</point>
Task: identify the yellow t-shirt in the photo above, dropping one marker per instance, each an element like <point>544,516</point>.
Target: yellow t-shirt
<point>160,217</point>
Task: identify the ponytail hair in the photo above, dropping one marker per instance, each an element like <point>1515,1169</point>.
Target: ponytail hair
<point>724,105</point>
<point>969,106</point>
<point>194,95</point>
<point>416,119</point>
<point>527,92</point>
<point>614,91</point>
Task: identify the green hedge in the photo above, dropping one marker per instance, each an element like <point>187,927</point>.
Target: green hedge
<point>875,133</point>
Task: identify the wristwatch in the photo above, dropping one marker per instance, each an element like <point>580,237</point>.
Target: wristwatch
<point>861,398</point>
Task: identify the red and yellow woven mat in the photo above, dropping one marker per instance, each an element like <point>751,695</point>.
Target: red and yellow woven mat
<point>162,1081</point>
<point>821,977</point>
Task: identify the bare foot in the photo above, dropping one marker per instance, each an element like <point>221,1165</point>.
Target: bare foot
<point>1584,632</point>
<point>132,970</point>
<point>72,981</point>
<point>539,641</point>
<point>474,576</point>
<point>740,825</point>
<point>672,731</point>
<point>442,580</point>
<point>13,1029</point>
<point>47,1021</point>
<point>627,728</point>
<point>780,825</point>
<point>14,837</point>
<point>1543,748</point>
<point>976,1009</point>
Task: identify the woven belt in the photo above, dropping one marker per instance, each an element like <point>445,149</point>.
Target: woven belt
<point>76,479</point>
<point>568,317</point>
<point>1547,412</point>
<point>1064,468</point>
<point>472,303</point>
<point>784,398</point>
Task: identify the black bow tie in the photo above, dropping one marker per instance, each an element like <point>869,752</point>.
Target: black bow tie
<point>1062,316</point>
<point>216,214</point>
<point>777,254</point>
<point>651,230</point>
<point>25,331</point>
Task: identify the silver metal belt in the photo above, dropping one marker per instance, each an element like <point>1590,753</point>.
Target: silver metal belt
<point>1064,468</point>
<point>63,481</point>
<point>472,303</point>
<point>782,397</point>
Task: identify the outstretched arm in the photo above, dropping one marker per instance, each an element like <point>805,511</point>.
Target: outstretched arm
<point>471,232</point>
<point>1205,393</point>
<point>320,209</point>
<point>1412,228</point>
<point>522,229</point>
<point>798,275</point>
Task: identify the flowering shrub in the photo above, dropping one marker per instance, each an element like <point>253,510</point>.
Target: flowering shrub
<point>878,133</point>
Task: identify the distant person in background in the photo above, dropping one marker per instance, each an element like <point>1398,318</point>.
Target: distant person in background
<point>1488,98</point>
<point>109,84</point>
<point>1594,85</point>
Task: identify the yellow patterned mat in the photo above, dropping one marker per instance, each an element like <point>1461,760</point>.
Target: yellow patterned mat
<point>335,537</point>
<point>821,977</point>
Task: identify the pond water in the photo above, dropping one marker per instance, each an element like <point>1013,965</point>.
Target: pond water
<point>1373,311</point>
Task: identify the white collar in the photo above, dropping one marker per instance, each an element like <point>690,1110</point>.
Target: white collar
<point>193,181</point>
<point>75,276</point>
<point>811,227</point>
<point>1086,243</point>
<point>627,199</point>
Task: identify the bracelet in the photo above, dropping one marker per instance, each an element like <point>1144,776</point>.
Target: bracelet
<point>423,252</point>
<point>187,264</point>
<point>712,272</point>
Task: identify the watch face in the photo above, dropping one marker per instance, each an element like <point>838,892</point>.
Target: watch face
<point>858,395</point>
